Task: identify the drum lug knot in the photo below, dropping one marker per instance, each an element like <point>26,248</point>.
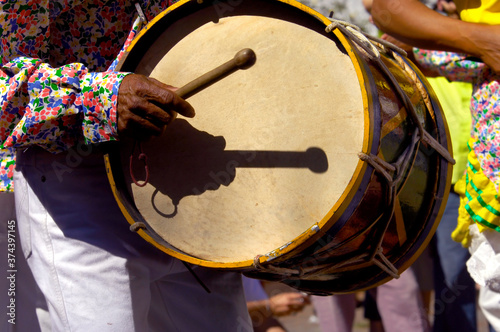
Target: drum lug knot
<point>285,272</point>
<point>385,264</point>
<point>137,226</point>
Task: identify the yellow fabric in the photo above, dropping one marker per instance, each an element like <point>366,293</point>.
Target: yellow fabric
<point>479,11</point>
<point>461,232</point>
<point>479,201</point>
<point>454,98</point>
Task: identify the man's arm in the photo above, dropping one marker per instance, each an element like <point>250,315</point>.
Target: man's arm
<point>55,107</point>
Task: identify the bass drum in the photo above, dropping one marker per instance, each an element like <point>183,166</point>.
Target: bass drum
<point>317,167</point>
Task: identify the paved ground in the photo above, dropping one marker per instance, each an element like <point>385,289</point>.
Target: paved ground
<point>306,321</point>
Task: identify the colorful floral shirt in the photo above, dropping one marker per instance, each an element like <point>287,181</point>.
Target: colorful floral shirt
<point>480,202</point>
<point>485,103</point>
<point>58,86</point>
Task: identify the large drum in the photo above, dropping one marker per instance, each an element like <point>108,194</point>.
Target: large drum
<point>323,166</point>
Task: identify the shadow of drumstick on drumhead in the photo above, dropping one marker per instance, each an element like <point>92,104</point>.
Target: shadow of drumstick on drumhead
<point>185,161</point>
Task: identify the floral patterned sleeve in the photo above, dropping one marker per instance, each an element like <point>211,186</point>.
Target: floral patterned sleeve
<point>57,83</point>
<point>44,105</point>
<point>453,66</point>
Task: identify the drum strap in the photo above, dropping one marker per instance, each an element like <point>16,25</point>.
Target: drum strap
<point>202,284</point>
<point>141,13</point>
<point>135,227</point>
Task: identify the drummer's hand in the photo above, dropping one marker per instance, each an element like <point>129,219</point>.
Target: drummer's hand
<point>287,303</point>
<point>146,106</point>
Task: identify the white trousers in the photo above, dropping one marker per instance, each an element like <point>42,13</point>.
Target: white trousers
<point>484,267</point>
<point>20,299</point>
<point>97,275</point>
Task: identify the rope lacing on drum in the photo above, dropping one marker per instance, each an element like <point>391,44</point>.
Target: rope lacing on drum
<point>364,37</point>
<point>393,173</point>
<point>363,40</point>
<point>385,264</point>
<point>421,135</point>
<point>396,168</point>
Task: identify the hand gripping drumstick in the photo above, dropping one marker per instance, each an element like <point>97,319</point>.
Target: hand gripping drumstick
<point>244,59</point>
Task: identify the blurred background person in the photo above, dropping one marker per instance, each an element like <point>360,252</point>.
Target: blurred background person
<point>265,310</point>
<point>454,289</point>
<point>476,39</point>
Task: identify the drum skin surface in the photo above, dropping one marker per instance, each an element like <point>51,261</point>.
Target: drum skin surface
<point>267,178</point>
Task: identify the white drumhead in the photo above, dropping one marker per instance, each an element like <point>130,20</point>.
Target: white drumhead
<point>271,149</point>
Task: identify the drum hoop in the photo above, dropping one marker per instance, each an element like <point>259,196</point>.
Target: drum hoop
<point>345,201</point>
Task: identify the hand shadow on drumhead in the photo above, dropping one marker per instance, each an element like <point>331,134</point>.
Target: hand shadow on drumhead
<point>185,161</point>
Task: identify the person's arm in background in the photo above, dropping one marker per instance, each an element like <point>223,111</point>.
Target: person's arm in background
<point>415,24</point>
<point>282,304</point>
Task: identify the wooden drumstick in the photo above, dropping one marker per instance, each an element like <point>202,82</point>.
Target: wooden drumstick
<point>242,60</point>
